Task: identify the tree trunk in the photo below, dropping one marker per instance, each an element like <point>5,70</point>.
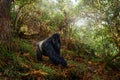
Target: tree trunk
<point>5,30</point>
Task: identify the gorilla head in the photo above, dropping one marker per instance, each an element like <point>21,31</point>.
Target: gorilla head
<point>51,47</point>
<point>56,41</point>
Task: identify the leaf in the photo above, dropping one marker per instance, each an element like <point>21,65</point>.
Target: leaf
<point>39,72</point>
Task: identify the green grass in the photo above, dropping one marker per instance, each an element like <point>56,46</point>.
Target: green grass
<point>16,65</point>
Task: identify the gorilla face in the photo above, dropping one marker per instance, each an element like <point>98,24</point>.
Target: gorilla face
<point>56,41</point>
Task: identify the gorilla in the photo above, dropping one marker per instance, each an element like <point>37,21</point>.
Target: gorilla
<point>51,47</point>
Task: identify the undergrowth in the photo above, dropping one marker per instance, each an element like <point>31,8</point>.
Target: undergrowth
<point>17,64</point>
<point>21,63</point>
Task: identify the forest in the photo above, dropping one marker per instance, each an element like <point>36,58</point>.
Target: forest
<point>88,39</point>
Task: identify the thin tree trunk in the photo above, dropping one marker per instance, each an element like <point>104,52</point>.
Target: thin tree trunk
<point>5,30</point>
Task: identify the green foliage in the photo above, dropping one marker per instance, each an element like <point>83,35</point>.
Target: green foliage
<point>95,36</point>
<point>6,59</point>
<point>114,65</point>
<point>24,46</point>
<point>21,63</point>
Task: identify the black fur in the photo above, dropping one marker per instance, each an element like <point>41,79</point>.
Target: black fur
<point>50,47</point>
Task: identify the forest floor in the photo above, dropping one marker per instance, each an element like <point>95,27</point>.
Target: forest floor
<point>80,67</point>
<point>24,66</point>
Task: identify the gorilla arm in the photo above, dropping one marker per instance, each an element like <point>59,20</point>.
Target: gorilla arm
<point>55,58</point>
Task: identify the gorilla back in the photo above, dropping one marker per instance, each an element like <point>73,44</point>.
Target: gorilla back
<point>51,47</point>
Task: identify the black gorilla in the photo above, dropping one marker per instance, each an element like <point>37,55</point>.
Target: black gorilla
<point>51,47</point>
